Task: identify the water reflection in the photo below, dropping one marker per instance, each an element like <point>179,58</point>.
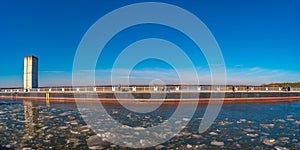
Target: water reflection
<point>31,118</point>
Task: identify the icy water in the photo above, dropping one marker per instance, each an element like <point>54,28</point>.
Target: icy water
<point>37,125</point>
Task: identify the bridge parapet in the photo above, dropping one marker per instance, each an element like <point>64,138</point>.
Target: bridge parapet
<point>156,88</point>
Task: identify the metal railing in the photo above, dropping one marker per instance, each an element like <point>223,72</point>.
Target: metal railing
<point>156,88</point>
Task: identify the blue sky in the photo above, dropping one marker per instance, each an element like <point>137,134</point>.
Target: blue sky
<point>259,40</point>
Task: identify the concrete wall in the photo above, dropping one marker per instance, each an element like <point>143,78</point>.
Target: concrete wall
<point>155,95</point>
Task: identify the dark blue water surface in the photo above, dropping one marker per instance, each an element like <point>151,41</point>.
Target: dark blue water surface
<point>37,125</point>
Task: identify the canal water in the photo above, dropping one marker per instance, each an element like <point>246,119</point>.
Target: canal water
<point>40,125</point>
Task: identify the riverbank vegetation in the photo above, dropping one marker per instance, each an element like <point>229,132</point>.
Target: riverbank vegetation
<point>285,84</point>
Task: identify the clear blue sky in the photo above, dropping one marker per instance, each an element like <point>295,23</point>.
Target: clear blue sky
<point>259,38</point>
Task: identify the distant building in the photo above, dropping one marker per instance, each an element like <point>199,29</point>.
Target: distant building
<point>30,72</point>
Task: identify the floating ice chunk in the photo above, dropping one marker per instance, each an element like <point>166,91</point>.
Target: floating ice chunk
<point>96,147</point>
<point>294,140</point>
<point>63,127</point>
<point>186,119</point>
<point>85,130</point>
<point>280,148</point>
<point>200,146</point>
<point>73,140</point>
<point>74,132</point>
<point>217,143</point>
<point>267,125</point>
<point>64,114</point>
<point>45,127</point>
<point>252,135</point>
<point>186,133</point>
<point>249,130</point>
<point>281,120</point>
<point>269,142</point>
<point>139,128</point>
<point>243,120</point>
<point>115,112</point>
<point>178,122</point>
<point>143,142</point>
<point>284,138</point>
<point>49,136</point>
<point>74,123</point>
<point>223,123</point>
<point>213,133</point>
<point>196,136</point>
<point>3,128</point>
<point>264,133</point>
<point>189,146</point>
<point>86,126</point>
<point>125,127</point>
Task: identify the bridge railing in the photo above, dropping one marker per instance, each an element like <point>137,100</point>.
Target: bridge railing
<point>156,88</point>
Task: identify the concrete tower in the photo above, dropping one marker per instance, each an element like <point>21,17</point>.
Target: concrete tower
<point>30,72</point>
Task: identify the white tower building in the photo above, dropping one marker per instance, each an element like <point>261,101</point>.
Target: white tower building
<point>30,72</point>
